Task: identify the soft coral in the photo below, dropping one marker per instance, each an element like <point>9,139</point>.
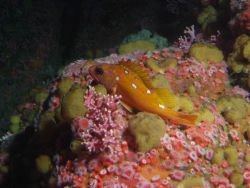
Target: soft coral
<point>245,18</point>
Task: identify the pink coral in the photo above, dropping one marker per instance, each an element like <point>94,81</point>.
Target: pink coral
<point>208,79</point>
<point>102,127</point>
<point>245,19</point>
<point>185,42</point>
<point>239,91</point>
<point>219,181</point>
<point>71,174</point>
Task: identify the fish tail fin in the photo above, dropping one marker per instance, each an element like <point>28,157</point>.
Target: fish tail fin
<point>181,118</point>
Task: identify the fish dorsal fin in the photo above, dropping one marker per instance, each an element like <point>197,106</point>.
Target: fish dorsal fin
<point>137,69</point>
<point>167,97</point>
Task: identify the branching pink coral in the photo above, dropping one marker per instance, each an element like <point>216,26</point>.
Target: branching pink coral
<point>73,173</point>
<point>102,127</point>
<point>185,42</point>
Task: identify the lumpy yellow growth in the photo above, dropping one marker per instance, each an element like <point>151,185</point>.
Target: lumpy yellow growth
<point>147,129</point>
<point>43,164</point>
<point>205,115</point>
<point>154,66</point>
<point>136,45</point>
<point>191,90</point>
<point>161,66</point>
<point>239,58</point>
<point>237,179</point>
<point>76,146</point>
<point>206,53</point>
<point>64,86</point>
<point>185,104</point>
<point>159,81</point>
<point>191,182</point>
<point>72,104</point>
<point>231,155</point>
<point>235,109</point>
<point>218,156</point>
<point>168,63</point>
<point>246,50</point>
<point>100,89</point>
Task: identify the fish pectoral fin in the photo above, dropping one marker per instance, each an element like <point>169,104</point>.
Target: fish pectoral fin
<point>166,96</point>
<point>127,107</point>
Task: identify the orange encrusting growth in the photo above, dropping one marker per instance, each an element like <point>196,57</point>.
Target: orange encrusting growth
<point>132,83</point>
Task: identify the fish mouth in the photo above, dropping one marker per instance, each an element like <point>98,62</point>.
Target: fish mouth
<point>94,82</point>
<point>91,71</point>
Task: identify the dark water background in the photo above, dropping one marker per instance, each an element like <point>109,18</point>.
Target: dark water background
<point>39,37</point>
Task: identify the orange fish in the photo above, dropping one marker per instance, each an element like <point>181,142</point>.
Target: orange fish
<point>129,80</point>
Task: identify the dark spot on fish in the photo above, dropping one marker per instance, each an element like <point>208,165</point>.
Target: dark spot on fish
<point>94,82</point>
<point>99,70</point>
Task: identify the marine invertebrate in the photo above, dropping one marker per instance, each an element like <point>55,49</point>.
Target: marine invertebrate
<point>205,115</point>
<point>218,156</point>
<point>161,66</point>
<point>145,35</point>
<point>238,59</point>
<point>235,109</point>
<point>41,96</point>
<point>43,164</point>
<point>100,89</point>
<point>15,124</point>
<point>72,103</point>
<point>153,65</point>
<point>231,155</point>
<point>102,126</point>
<point>205,53</point>
<point>147,129</point>
<point>186,41</point>
<point>136,46</point>
<point>245,19</point>
<point>207,17</point>
<point>185,104</point>
<point>190,182</point>
<point>64,86</point>
<point>237,179</point>
<point>72,173</point>
<point>191,73</point>
<point>144,40</point>
<point>160,81</point>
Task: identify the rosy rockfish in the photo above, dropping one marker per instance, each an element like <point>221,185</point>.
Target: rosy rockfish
<point>130,80</point>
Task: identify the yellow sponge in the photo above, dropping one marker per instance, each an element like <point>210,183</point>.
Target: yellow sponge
<point>206,53</point>
<point>136,45</point>
<point>43,164</point>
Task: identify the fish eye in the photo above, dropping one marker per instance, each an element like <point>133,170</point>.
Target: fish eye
<point>99,70</point>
